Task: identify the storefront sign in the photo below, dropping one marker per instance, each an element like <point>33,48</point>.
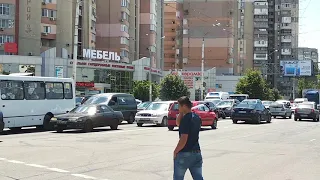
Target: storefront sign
<point>155,71</point>
<point>187,74</point>
<point>10,47</point>
<point>99,54</point>
<point>59,71</point>
<point>114,66</point>
<point>85,84</point>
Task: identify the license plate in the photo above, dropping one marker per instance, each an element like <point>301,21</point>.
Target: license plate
<point>242,111</point>
<point>144,119</point>
<point>62,122</point>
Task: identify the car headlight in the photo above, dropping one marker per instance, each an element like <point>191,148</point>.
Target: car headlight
<point>53,119</point>
<point>156,115</point>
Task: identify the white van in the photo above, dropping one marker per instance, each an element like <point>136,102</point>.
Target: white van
<point>217,95</point>
<point>300,100</point>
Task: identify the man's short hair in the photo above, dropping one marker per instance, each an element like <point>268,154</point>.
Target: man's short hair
<point>184,100</point>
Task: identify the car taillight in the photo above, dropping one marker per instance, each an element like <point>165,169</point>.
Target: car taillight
<point>312,110</point>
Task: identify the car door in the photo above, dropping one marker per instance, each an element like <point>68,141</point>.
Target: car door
<point>260,110</point>
<point>108,116</point>
<point>98,119</point>
<point>207,113</point>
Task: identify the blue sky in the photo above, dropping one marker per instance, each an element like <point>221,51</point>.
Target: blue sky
<point>309,25</point>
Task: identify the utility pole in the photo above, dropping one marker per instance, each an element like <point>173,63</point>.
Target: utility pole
<point>293,88</point>
<point>75,41</point>
<point>150,76</point>
<point>202,69</point>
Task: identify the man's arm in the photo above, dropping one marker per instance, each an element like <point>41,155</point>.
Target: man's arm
<point>182,142</point>
<point>178,119</point>
<point>184,128</point>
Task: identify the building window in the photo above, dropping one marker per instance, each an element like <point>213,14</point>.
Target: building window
<point>47,1</point>
<point>49,13</point>
<point>124,40</point>
<point>124,3</point>
<point>4,9</point>
<point>6,38</point>
<point>124,28</point>
<point>124,15</point>
<point>153,27</point>
<point>185,31</point>
<point>4,23</point>
<point>93,37</point>
<point>46,29</point>
<point>124,53</point>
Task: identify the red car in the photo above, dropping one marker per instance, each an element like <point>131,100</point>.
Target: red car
<point>208,117</point>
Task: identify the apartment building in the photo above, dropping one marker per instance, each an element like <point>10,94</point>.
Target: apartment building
<point>305,53</point>
<point>8,32</point>
<point>216,23</point>
<point>173,32</point>
<point>44,24</point>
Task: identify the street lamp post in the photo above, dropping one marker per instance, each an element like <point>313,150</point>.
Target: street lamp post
<point>75,41</point>
<point>202,69</point>
<point>150,76</point>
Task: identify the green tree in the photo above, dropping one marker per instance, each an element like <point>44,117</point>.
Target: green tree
<point>254,85</point>
<point>304,83</point>
<point>275,94</point>
<point>172,88</point>
<point>141,90</point>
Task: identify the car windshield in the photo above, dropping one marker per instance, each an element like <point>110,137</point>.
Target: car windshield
<point>225,103</point>
<point>84,109</point>
<point>143,105</point>
<point>266,102</point>
<point>78,99</point>
<point>175,107</point>
<point>276,105</point>
<point>96,100</point>
<point>308,106</point>
<point>246,105</point>
<point>158,106</point>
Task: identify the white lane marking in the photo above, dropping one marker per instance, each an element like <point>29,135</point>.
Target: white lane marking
<point>57,170</point>
<point>36,165</point>
<point>312,140</point>
<point>3,159</point>
<point>16,162</point>
<point>83,176</point>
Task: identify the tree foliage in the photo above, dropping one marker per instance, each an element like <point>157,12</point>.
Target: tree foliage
<point>172,88</point>
<point>275,94</point>
<point>141,90</point>
<point>255,86</point>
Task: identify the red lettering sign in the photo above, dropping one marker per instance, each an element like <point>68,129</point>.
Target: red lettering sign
<point>85,84</point>
<point>10,47</point>
<point>106,65</point>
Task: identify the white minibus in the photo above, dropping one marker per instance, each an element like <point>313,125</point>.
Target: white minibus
<point>217,95</point>
<point>32,101</point>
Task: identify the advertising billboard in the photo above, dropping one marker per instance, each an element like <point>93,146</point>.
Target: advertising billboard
<point>296,68</point>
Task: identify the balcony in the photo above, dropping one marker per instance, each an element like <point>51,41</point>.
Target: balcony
<point>260,11</point>
<point>285,51</point>
<point>260,56</point>
<point>261,43</point>
<point>286,26</point>
<point>286,39</point>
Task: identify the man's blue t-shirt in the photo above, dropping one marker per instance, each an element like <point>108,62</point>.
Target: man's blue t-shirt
<point>190,124</point>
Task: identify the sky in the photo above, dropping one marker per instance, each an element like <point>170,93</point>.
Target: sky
<point>309,25</point>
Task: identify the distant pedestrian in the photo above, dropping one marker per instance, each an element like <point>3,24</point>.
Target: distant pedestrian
<point>187,154</point>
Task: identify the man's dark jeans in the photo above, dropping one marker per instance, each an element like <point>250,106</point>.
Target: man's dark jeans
<point>188,160</point>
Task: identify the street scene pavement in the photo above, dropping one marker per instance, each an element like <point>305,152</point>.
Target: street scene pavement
<point>281,150</point>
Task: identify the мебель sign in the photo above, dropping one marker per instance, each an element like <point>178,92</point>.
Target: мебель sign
<point>99,54</point>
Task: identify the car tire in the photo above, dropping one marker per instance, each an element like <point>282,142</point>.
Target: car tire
<point>131,119</point>
<point>315,120</point>
<point>1,126</point>
<point>59,129</point>
<point>223,116</point>
<point>139,124</point>
<point>88,127</point>
<point>164,122</point>
<point>318,119</point>
<point>215,123</point>
<point>274,117</point>
<point>46,123</point>
<point>170,128</point>
<point>269,119</point>
<point>15,129</point>
<point>114,126</point>
<point>290,117</point>
<point>295,119</point>
<point>234,121</point>
<point>258,120</point>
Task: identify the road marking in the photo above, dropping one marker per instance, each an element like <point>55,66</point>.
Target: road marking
<point>16,162</point>
<point>3,159</point>
<point>57,170</point>
<point>312,140</point>
<point>83,176</point>
<point>37,165</point>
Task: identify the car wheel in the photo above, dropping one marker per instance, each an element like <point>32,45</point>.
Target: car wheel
<point>315,120</point>
<point>223,116</point>
<point>290,117</point>
<point>274,117</point>
<point>1,126</point>
<point>131,119</point>
<point>170,128</point>
<point>295,119</point>
<point>214,124</point>
<point>318,119</point>
<point>139,124</point>
<point>258,121</point>
<point>46,122</point>
<point>269,119</point>
<point>59,129</point>
<point>15,129</point>
<point>88,127</point>
<point>234,121</point>
<point>164,122</point>
<point>114,126</point>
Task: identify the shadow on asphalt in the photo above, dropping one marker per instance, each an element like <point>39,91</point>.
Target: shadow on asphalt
<point>307,120</point>
<point>76,131</point>
<point>202,129</point>
<point>22,131</point>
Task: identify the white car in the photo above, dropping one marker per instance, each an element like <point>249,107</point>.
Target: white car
<point>155,113</point>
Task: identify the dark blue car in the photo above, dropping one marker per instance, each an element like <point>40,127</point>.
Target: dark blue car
<point>251,110</point>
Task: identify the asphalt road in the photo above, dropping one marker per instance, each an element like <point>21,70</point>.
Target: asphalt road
<point>282,150</point>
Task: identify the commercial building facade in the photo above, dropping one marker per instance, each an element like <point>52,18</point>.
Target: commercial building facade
<point>305,53</point>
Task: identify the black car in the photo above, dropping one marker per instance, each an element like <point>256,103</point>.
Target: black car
<point>87,117</point>
<point>214,108</point>
<point>250,110</point>
<point>226,106</point>
<point>306,110</point>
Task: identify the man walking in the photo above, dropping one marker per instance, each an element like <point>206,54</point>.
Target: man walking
<point>187,154</point>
